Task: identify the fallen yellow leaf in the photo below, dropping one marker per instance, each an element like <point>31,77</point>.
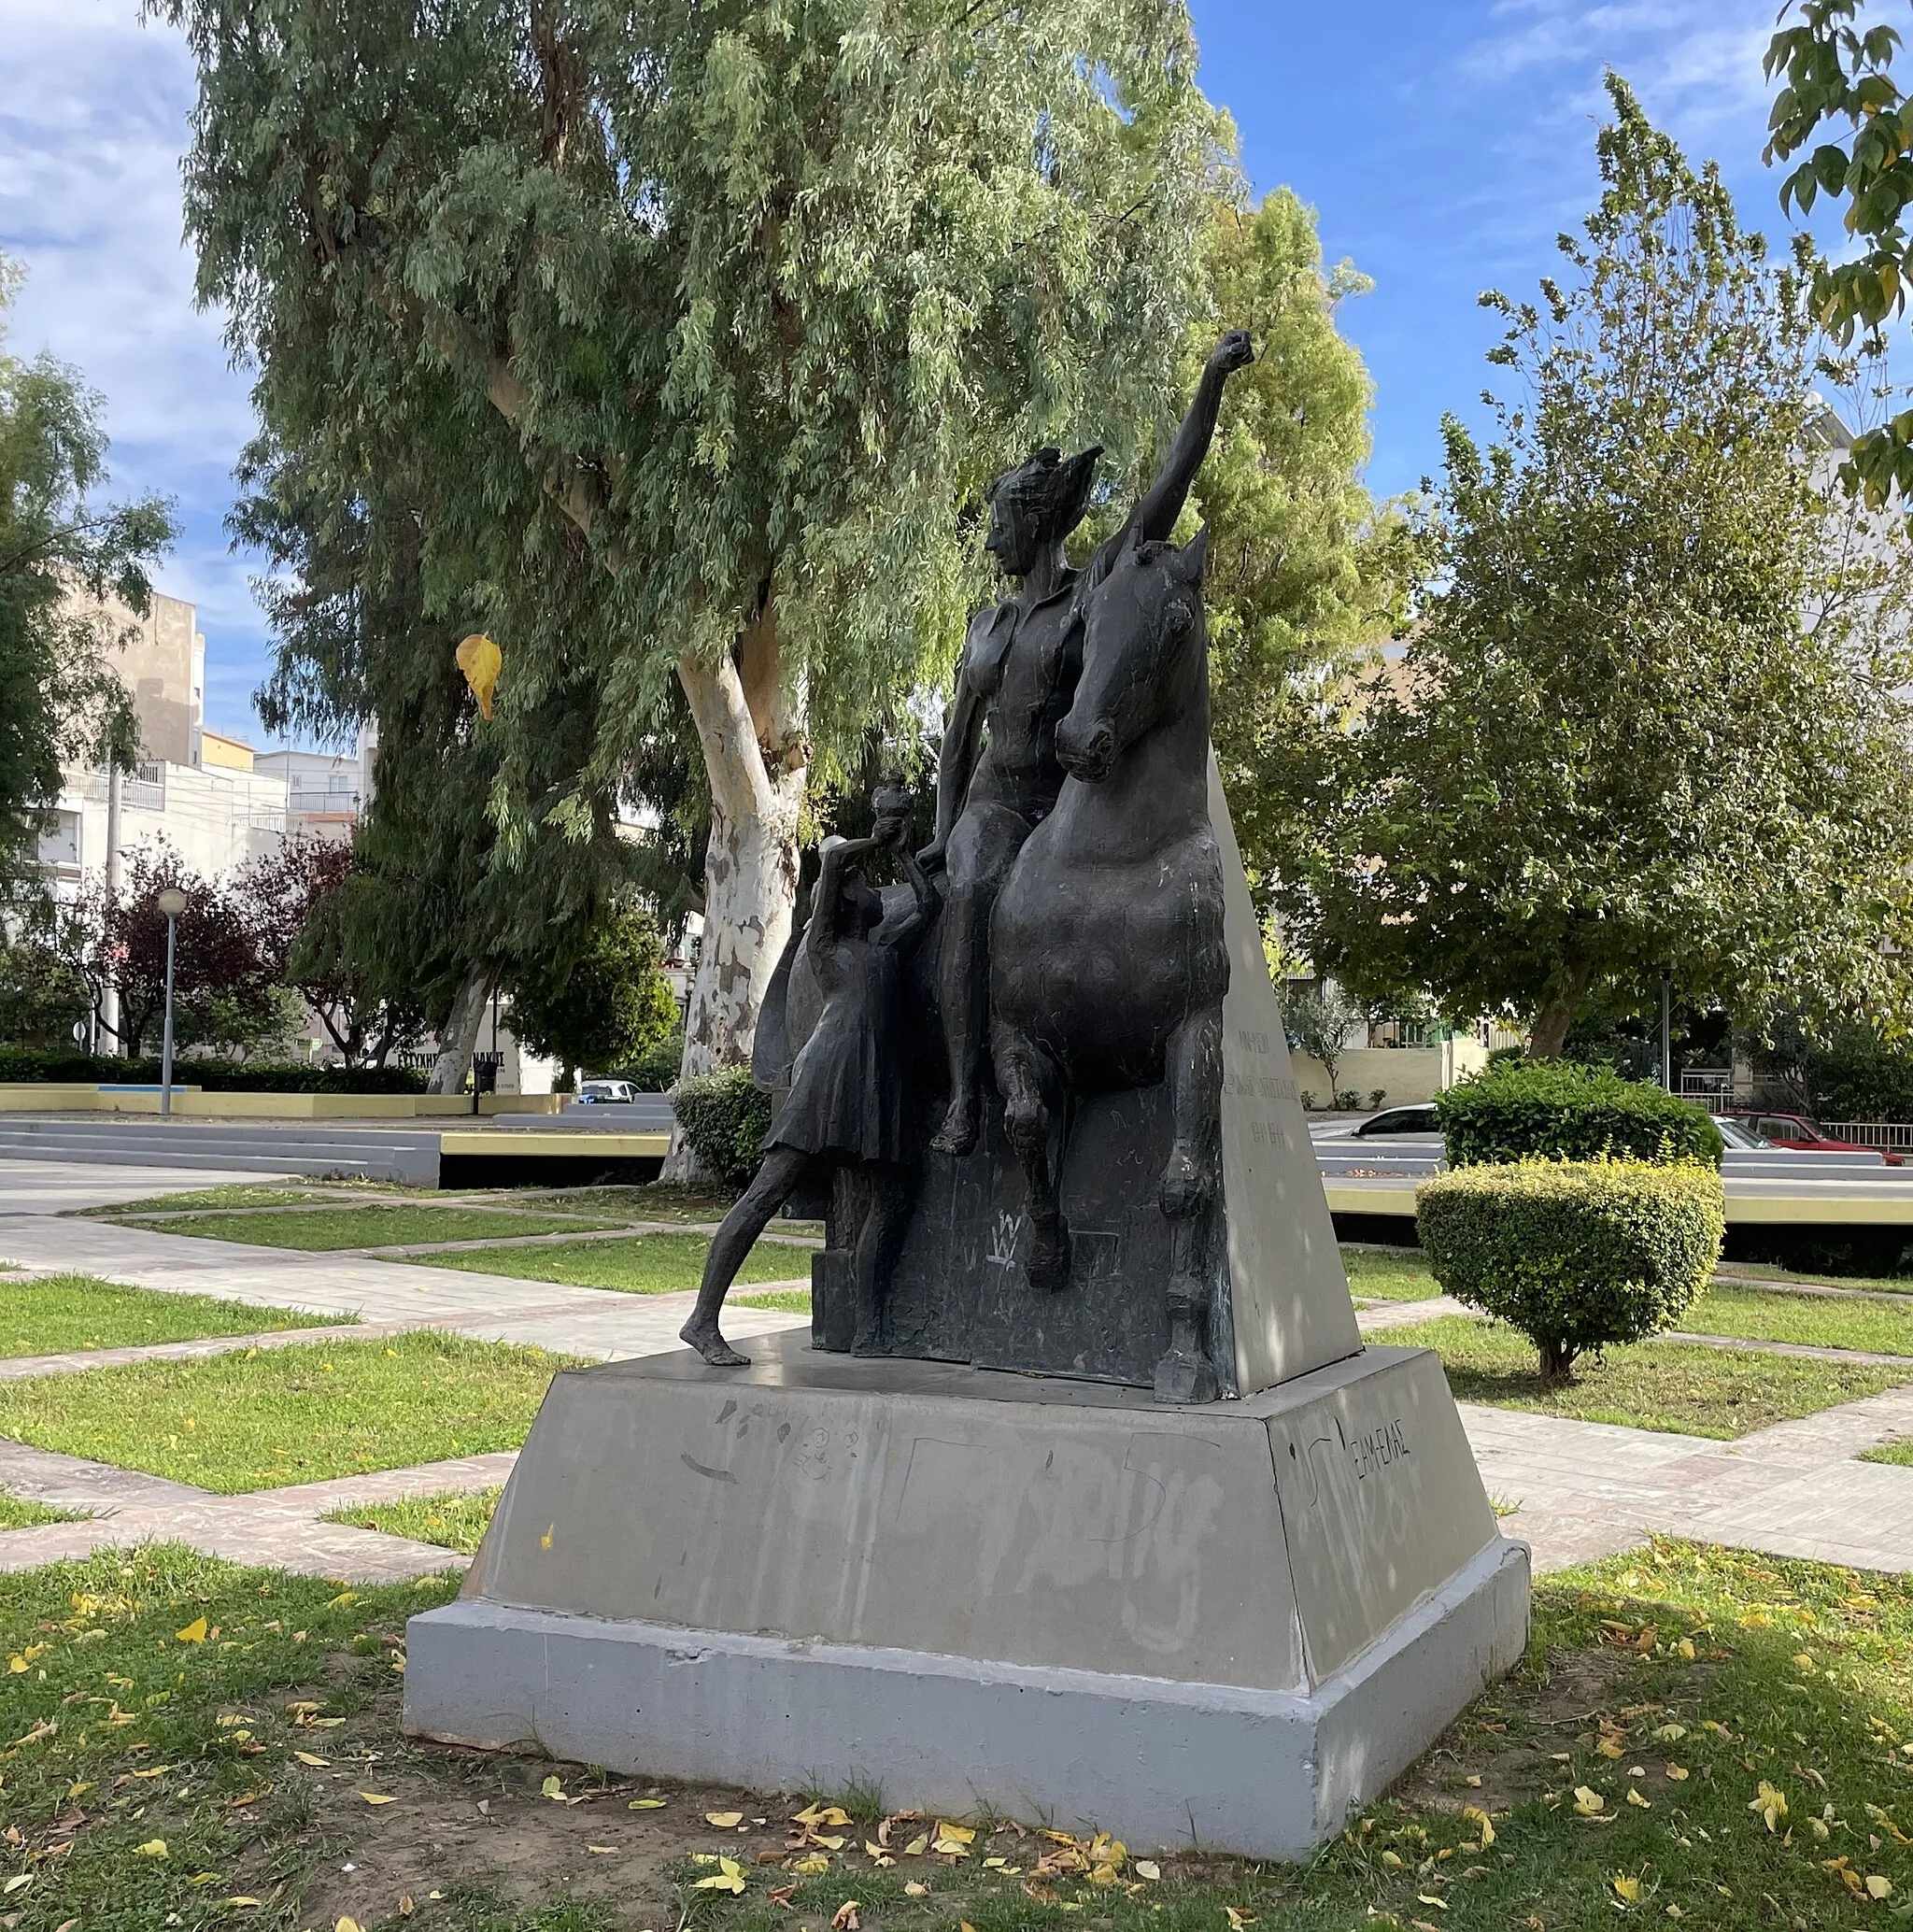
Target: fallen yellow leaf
<point>724,1821</point>
<point>603,1850</point>
<point>1770,1802</point>
<point>1626,1888</point>
<point>153,1848</point>
<point>1238,1919</point>
<point>962,1834</point>
<point>194,1633</point>
<point>14,1885</point>
<point>377,1797</point>
<point>916,1848</point>
<point>1634,1797</point>
<point>844,1918</point>
<point>1588,1803</point>
<point>1678,1772</point>
<point>1148,1868</point>
<point>481,660</point>
<point>1475,1815</point>
<point>1878,1888</point>
<point>912,1890</point>
<point>307,1757</point>
<point>645,1804</point>
<point>346,1926</point>
<point>811,1867</point>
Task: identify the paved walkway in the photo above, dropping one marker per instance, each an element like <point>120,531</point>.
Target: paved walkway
<point>1578,1489</point>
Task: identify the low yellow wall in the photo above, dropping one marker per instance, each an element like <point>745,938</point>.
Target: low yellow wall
<point>530,1143</point>
<point>50,1097</point>
<point>1404,1074</point>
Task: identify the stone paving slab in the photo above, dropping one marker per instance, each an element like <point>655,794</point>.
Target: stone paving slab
<point>1583,1489</point>
<point>75,1361</point>
<point>70,1187</point>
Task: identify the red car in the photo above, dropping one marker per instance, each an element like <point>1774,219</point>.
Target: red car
<point>1794,1130</point>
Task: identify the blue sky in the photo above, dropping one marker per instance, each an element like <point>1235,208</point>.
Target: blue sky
<point>1444,142</point>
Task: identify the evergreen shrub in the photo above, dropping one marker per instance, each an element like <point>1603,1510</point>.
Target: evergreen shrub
<point>1579,1256</point>
<point>1556,1110</point>
<point>725,1116</point>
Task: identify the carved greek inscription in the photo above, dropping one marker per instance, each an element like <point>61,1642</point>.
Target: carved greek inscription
<point>1375,1449</point>
<point>1253,1040</point>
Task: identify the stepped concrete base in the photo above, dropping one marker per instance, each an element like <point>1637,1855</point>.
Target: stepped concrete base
<point>1056,1599</point>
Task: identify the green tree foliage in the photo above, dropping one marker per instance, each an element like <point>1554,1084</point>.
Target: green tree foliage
<point>482,848</point>
<point>42,994</point>
<point>59,698</point>
<point>1653,709</point>
<point>747,301</point>
<point>1305,574</point>
<point>1836,76</point>
<point>1321,1021</point>
<point>608,1004</point>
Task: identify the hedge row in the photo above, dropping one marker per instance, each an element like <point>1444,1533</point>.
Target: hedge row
<point>724,1116</point>
<point>1575,1255</point>
<point>1556,1110</point>
<point>215,1076</point>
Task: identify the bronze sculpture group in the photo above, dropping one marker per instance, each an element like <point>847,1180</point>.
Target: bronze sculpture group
<point>1072,898</point>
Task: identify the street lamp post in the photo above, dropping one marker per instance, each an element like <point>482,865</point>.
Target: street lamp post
<point>172,901</point>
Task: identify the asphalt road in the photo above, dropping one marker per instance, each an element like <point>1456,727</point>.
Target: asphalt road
<point>1778,1170</point>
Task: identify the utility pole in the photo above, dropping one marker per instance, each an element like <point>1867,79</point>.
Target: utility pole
<point>110,991</point>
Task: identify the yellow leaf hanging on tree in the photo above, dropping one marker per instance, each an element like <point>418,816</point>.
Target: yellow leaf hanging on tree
<point>481,660</point>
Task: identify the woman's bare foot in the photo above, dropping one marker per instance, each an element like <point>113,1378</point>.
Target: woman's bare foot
<point>711,1345</point>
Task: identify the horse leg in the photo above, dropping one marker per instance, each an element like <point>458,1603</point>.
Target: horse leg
<point>892,1188</point>
<point>1189,1183</point>
<point>1032,1089</point>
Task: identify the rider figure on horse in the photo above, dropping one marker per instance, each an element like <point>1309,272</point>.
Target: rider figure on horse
<point>998,775</point>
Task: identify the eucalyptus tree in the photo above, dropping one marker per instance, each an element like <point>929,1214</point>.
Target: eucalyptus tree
<point>1653,713</point>
<point>754,296</point>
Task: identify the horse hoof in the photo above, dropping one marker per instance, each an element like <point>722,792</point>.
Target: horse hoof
<point>956,1136</point>
<point>713,1346</point>
<point>1047,1264</point>
<point>1182,1377</point>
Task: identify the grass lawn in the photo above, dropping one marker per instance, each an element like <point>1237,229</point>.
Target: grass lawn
<point>259,1420</point>
<point>458,1519</point>
<point>1691,1677</point>
<point>16,1512</point>
<point>657,1201</point>
<point>1901,1452</point>
<point>322,1229</point>
<point>645,1264</point>
<point>1762,1271</point>
<point>1822,1321</point>
<point>1683,1386</point>
<point>789,1300</point>
<point>58,1313</point>
<point>1390,1274</point>
<point>238,1194</point>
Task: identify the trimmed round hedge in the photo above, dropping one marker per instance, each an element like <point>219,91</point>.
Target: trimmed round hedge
<point>1578,1255</point>
<point>1556,1110</point>
<point>725,1116</point>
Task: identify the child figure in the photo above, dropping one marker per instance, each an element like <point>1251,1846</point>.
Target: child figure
<point>846,1101</point>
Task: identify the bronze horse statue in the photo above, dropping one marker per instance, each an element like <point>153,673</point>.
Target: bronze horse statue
<point>1109,964</point>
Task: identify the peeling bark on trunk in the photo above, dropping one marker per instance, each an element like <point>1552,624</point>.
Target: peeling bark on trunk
<point>458,1037</point>
<point>1549,1035</point>
<point>750,728</point>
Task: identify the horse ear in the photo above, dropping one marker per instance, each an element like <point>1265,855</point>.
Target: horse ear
<point>1188,563</point>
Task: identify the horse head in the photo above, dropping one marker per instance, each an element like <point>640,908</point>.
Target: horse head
<point>1139,627</point>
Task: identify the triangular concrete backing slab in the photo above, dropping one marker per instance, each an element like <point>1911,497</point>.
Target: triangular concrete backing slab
<point>1288,1290</point>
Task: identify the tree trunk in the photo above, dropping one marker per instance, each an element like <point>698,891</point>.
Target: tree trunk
<point>1557,1361</point>
<point>458,1038</point>
<point>1549,1035</point>
<point>751,731</point>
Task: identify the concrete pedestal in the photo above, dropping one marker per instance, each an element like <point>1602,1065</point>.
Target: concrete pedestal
<point>1058,1600</point>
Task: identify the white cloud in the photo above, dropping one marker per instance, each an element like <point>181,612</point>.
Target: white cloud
<point>93,120</point>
